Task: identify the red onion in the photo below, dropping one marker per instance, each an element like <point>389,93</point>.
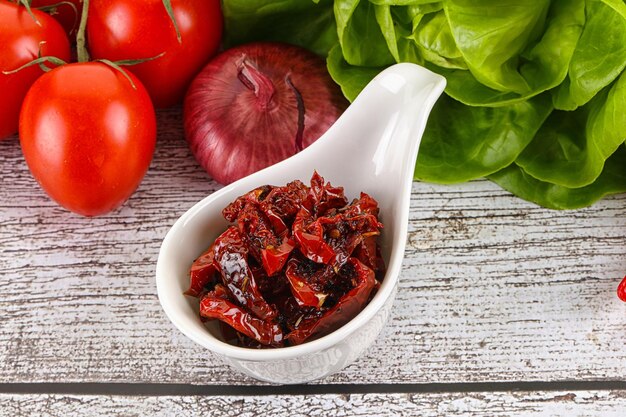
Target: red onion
<point>257,104</point>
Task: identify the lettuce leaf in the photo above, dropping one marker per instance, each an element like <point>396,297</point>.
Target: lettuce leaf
<point>599,57</point>
<point>360,34</point>
<point>462,143</point>
<point>352,79</point>
<point>611,181</point>
<point>435,42</point>
<point>509,71</point>
<point>303,23</point>
<point>571,147</point>
<point>492,37</point>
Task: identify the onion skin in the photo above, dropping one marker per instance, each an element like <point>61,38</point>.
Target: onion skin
<point>257,104</point>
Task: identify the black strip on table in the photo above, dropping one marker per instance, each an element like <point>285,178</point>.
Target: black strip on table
<point>157,390</point>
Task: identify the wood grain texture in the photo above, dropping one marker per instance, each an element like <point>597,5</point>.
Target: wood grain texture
<point>586,403</point>
<point>493,288</point>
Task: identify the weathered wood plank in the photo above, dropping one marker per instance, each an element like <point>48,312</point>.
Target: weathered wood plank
<point>493,288</point>
<point>586,403</point>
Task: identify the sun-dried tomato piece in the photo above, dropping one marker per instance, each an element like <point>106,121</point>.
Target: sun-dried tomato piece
<point>306,283</point>
<point>311,240</point>
<point>346,308</point>
<point>621,290</point>
<point>292,314</point>
<point>231,261</point>
<point>323,196</point>
<point>366,252</point>
<point>283,203</point>
<point>231,212</point>
<point>343,234</point>
<point>255,229</point>
<point>201,273</point>
<point>274,258</point>
<point>261,239</point>
<point>364,204</point>
<point>265,332</point>
<point>271,287</point>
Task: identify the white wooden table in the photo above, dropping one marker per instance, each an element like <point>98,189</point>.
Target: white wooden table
<point>504,308</point>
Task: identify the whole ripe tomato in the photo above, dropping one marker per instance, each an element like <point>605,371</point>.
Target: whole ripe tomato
<point>63,13</point>
<point>88,136</point>
<point>130,29</point>
<point>20,42</point>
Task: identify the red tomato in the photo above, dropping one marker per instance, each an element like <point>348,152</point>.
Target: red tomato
<point>130,29</point>
<point>63,12</point>
<point>88,136</point>
<point>20,38</point>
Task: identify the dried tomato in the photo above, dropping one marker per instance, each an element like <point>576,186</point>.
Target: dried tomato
<point>231,261</point>
<point>348,306</point>
<point>621,290</point>
<point>202,273</point>
<point>265,332</point>
<point>298,263</point>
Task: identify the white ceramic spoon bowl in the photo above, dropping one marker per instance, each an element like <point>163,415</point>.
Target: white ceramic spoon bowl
<point>371,148</point>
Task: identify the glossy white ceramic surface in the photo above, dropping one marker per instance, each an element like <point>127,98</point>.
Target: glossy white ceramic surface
<point>371,148</point>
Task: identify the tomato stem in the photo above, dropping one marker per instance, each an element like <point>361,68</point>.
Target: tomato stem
<point>170,12</point>
<point>53,9</point>
<point>115,66</point>
<point>128,62</point>
<point>26,4</point>
<point>39,61</point>
<point>81,49</point>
